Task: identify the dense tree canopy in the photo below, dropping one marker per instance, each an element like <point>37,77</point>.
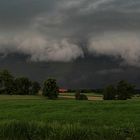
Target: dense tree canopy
<point>50,89</point>
<point>109,93</point>
<point>125,90</point>
<point>19,86</point>
<point>6,82</point>
<point>22,85</point>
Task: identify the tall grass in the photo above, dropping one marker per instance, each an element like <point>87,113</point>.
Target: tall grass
<point>22,130</point>
<point>41,119</point>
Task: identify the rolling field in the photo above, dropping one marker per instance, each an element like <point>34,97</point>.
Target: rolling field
<point>44,119</point>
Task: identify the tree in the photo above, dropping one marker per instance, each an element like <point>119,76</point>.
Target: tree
<point>22,86</point>
<point>125,90</point>
<point>6,82</point>
<point>50,89</point>
<point>35,87</point>
<point>109,93</point>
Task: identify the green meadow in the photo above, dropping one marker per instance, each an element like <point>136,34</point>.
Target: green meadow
<point>37,118</point>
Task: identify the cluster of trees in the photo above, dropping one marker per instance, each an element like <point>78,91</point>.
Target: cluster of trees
<point>24,86</point>
<point>122,91</point>
<point>18,86</point>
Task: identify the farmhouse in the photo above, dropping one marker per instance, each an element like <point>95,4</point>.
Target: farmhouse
<point>62,90</point>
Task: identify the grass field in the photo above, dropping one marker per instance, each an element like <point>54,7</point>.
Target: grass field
<point>36,118</point>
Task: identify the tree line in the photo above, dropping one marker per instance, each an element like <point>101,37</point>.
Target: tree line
<point>11,85</point>
<point>122,91</point>
<point>17,86</point>
<point>24,86</point>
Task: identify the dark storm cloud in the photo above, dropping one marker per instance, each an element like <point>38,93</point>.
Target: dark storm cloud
<point>90,72</point>
<point>20,12</point>
<point>52,30</point>
<point>70,13</point>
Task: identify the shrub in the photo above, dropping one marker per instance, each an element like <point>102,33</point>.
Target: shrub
<point>79,96</point>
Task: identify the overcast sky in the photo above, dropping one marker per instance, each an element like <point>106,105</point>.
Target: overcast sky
<point>59,32</point>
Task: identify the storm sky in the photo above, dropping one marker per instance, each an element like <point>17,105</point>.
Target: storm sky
<point>82,43</point>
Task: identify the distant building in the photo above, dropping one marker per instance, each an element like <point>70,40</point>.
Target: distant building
<point>62,90</point>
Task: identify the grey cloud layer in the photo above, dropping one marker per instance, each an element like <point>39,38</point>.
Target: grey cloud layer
<point>40,48</point>
<point>123,45</point>
<point>51,30</point>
